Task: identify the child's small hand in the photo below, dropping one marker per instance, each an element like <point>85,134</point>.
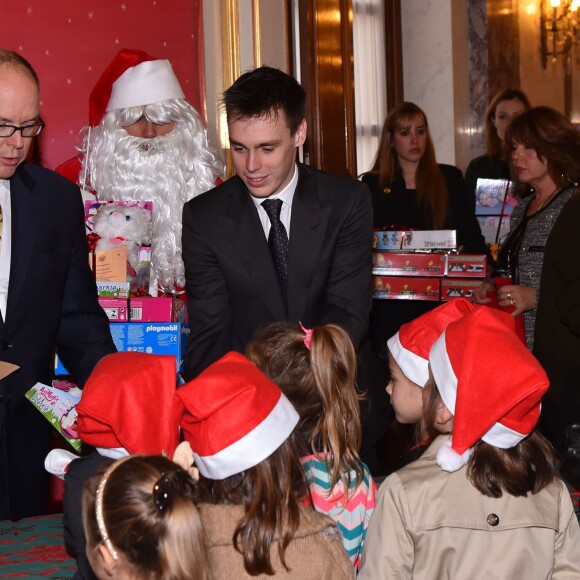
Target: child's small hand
<point>183,456</point>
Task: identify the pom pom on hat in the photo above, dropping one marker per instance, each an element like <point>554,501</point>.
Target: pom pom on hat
<point>129,401</point>
<point>489,381</point>
<point>235,417</point>
<point>134,78</point>
<point>411,345</point>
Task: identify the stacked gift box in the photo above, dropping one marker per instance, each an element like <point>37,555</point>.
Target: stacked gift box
<point>423,265</point>
<point>140,320</point>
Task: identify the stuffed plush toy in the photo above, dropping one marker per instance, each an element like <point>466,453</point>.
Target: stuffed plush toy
<point>118,224</point>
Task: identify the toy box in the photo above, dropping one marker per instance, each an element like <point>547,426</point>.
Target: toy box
<point>113,289</point>
<point>494,197</point>
<point>406,288</point>
<point>458,288</point>
<point>161,309</point>
<point>408,264</point>
<point>151,337</point>
<point>466,265</point>
<point>58,405</point>
<point>415,240</point>
<point>494,228</point>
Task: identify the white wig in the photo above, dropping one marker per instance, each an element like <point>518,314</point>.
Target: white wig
<point>167,170</point>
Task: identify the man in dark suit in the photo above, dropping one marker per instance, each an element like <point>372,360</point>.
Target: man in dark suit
<point>47,293</point>
<point>309,261</point>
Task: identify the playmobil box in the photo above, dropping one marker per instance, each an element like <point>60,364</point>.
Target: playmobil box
<point>161,309</point>
<point>466,265</point>
<point>408,264</point>
<point>458,288</point>
<point>58,405</point>
<point>151,337</point>
<point>406,288</point>
<point>415,240</point>
<point>494,197</point>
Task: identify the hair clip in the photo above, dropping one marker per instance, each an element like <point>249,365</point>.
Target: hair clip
<point>161,492</point>
<point>308,333</point>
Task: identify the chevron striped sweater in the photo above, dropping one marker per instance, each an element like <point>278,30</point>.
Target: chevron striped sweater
<point>352,516</point>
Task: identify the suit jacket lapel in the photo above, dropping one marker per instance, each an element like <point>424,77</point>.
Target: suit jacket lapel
<point>26,217</point>
<point>251,246</point>
<point>307,228</point>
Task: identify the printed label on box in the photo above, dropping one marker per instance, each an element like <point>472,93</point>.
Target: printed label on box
<point>452,288</point>
<point>405,288</point>
<point>415,240</point>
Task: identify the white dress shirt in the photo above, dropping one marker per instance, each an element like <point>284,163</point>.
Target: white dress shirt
<point>6,244</point>
<point>286,195</point>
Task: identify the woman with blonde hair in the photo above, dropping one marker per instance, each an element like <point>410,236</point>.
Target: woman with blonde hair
<point>410,190</point>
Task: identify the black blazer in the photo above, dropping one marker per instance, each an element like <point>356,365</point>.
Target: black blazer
<point>52,301</point>
<point>231,282</point>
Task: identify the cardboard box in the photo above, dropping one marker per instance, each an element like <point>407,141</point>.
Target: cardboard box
<point>406,288</point>
<point>408,264</point>
<point>151,337</point>
<point>490,197</point>
<point>466,265</point>
<point>161,309</point>
<point>452,288</point>
<point>415,240</point>
<point>113,289</point>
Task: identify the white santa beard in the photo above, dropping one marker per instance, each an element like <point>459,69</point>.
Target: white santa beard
<point>170,174</point>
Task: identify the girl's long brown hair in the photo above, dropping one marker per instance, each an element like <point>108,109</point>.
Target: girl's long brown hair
<point>166,543</point>
<point>321,384</point>
<point>270,493</point>
<point>526,468</point>
<point>432,194</point>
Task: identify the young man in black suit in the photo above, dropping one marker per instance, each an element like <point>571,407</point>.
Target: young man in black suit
<point>48,296</point>
<point>307,258</point>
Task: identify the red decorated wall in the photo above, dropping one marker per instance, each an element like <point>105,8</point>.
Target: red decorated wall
<point>70,42</point>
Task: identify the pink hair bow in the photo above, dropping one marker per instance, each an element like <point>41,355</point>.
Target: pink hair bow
<point>308,333</point>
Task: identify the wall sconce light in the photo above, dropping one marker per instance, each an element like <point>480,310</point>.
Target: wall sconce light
<point>560,31</point>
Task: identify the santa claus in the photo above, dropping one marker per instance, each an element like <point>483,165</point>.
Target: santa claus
<point>145,142</point>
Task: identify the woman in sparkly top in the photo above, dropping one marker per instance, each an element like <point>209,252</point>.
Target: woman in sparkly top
<point>542,146</point>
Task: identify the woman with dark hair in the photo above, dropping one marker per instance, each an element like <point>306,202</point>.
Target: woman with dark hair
<point>543,149</point>
<point>504,106</point>
<point>410,190</point>
<point>252,491</point>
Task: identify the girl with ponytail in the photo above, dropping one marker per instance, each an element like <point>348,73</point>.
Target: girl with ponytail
<point>316,370</point>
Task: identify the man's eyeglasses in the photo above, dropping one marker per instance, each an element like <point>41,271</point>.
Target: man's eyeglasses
<point>25,130</point>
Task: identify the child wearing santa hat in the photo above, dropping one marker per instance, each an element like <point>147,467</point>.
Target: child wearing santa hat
<point>251,489</point>
<point>316,370</point>
<point>141,522</point>
<point>408,356</point>
<point>128,406</point>
<point>483,501</point>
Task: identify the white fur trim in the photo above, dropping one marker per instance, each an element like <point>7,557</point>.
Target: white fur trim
<point>254,447</point>
<point>113,452</point>
<point>449,460</point>
<point>443,373</point>
<point>57,462</point>
<point>148,82</point>
<point>414,367</point>
<point>503,437</point>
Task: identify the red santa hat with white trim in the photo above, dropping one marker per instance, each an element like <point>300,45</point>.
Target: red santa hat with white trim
<point>134,78</point>
<point>489,381</point>
<point>411,345</point>
<point>129,402</point>
<point>235,417</point>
